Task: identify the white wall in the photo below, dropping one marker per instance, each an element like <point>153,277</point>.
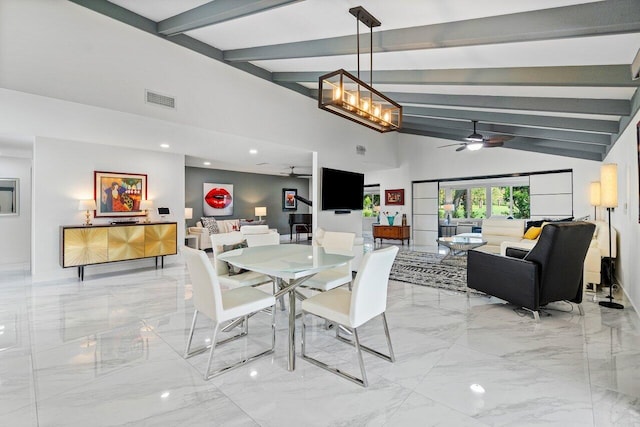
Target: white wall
<point>420,159</point>
<point>63,174</point>
<point>59,50</point>
<point>624,218</point>
<point>15,231</point>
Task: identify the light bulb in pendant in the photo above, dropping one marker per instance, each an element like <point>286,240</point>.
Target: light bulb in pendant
<point>337,93</point>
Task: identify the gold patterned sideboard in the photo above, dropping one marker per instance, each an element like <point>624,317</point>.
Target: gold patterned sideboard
<point>98,244</point>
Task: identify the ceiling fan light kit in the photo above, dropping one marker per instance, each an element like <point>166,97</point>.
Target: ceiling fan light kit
<point>475,136</point>
<point>345,95</point>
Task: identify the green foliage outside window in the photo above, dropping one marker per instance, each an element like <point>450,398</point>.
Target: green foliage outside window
<point>368,203</point>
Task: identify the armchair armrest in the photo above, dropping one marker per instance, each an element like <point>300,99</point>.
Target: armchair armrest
<point>198,230</point>
<point>511,279</point>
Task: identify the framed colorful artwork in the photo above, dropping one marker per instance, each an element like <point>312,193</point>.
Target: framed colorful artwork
<point>119,194</point>
<point>217,200</point>
<point>289,201</point>
<point>394,197</point>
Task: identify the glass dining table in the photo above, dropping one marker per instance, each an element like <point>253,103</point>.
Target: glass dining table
<point>289,266</point>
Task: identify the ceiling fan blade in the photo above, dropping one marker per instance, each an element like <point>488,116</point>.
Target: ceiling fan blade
<point>492,144</point>
<point>498,138</point>
<point>464,146</point>
<point>451,145</point>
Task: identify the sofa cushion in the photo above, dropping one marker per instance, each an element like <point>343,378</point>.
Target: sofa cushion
<point>254,229</point>
<point>233,270</point>
<point>211,224</point>
<point>532,233</point>
<point>244,222</point>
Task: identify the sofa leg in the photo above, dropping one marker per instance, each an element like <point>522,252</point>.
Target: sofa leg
<point>536,315</point>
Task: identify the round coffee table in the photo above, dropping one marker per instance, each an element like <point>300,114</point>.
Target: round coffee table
<point>459,245</point>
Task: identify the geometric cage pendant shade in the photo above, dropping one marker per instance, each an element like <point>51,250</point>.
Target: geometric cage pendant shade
<point>347,96</point>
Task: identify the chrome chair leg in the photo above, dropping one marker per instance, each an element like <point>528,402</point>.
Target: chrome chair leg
<point>213,347</point>
<point>245,329</point>
<point>365,383</point>
<point>355,342</point>
<point>193,326</point>
<point>580,309</point>
<point>392,357</point>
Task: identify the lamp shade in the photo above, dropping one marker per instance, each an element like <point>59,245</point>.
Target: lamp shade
<point>609,185</point>
<point>87,205</point>
<point>261,211</point>
<point>146,205</point>
<point>594,193</point>
<point>448,207</point>
<point>188,213</point>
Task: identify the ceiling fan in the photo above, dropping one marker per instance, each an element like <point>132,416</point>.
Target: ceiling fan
<point>292,174</point>
<point>477,141</point>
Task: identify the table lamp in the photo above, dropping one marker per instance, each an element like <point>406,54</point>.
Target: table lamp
<point>188,214</point>
<point>87,206</point>
<point>260,211</point>
<point>145,205</point>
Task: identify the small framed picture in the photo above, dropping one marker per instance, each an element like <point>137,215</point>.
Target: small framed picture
<point>119,194</point>
<point>394,197</point>
<point>289,201</point>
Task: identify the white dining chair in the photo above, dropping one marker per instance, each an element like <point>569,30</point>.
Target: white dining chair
<point>246,278</point>
<point>221,307</point>
<point>352,309</point>
<point>337,242</point>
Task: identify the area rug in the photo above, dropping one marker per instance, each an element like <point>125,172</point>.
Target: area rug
<point>427,269</point>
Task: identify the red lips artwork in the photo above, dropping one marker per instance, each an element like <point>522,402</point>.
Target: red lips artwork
<point>218,198</point>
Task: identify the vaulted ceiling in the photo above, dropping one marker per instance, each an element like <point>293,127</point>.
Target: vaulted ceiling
<point>549,76</point>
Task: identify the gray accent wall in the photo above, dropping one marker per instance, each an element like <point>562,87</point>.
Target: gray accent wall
<point>249,190</point>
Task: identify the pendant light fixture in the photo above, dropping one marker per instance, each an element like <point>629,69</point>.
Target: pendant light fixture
<point>346,95</point>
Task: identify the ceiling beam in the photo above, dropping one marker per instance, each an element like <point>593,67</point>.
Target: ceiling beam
<point>587,75</point>
<point>567,149</point>
<point>215,12</point>
<point>123,15</point>
<point>587,125</point>
<point>583,20</point>
<point>523,131</point>
<point>555,151</point>
<point>614,107</point>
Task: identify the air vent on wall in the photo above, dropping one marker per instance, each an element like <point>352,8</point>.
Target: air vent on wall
<point>158,99</point>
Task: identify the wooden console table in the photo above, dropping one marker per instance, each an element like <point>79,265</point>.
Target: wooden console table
<point>395,232</point>
<point>81,246</point>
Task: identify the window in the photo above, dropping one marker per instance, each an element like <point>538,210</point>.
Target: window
<point>459,197</point>
<point>371,202</point>
<point>484,198</point>
<point>478,202</point>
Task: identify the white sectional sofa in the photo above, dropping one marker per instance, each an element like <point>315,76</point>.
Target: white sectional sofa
<point>502,233</point>
<point>224,226</point>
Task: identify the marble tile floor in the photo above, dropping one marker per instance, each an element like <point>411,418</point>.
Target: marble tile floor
<point>108,352</point>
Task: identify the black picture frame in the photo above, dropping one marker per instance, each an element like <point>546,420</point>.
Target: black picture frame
<point>289,201</point>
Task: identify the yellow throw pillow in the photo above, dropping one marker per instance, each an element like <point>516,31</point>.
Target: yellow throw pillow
<point>532,233</point>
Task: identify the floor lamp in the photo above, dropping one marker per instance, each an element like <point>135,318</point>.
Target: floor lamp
<point>609,200</point>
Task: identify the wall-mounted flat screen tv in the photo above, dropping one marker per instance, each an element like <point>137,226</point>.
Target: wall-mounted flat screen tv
<point>341,190</point>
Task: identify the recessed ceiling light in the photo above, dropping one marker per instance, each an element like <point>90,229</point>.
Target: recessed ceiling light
<point>165,395</point>
<point>207,163</point>
<point>253,151</point>
<point>164,145</point>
